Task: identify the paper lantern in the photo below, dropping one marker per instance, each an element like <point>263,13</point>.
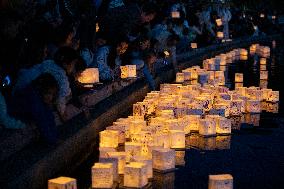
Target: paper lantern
<point>262,67</point>
<point>114,162</point>
<point>163,159</point>
<point>272,107</point>
<point>175,14</point>
<point>89,76</point>
<point>273,96</point>
<point>135,126</point>
<point>121,157</point>
<point>163,139</point>
<point>135,175</point>
<point>253,48</point>
<point>139,109</point>
<point>180,77</point>
<point>222,106</point>
<point>261,15</point>
<point>193,45</point>
<point>254,93</point>
<point>187,75</point>
<point>223,142</point>
<point>262,61</point>
<point>193,122</point>
<point>219,22</point>
<point>224,181</point>
<point>207,127</point>
<point>253,106</point>
<point>263,75</point>
<point>109,138</point>
<point>102,175</point>
<point>148,162</point>
<point>265,93</point>
<point>223,126</point>
<point>131,149</point>
<point>220,35</point>
<point>128,71</point>
<point>180,158</point>
<point>239,77</point>
<point>62,183</point>
<point>177,139</point>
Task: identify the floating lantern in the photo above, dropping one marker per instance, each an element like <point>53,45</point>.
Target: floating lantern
<point>135,175</point>
<point>220,35</point>
<point>131,149</point>
<point>128,71</point>
<point>104,151</point>
<point>102,175</point>
<point>219,22</point>
<point>253,48</point>
<point>97,27</point>
<point>149,164</point>
<point>253,106</point>
<point>262,61</point>
<point>239,77</point>
<point>180,77</point>
<point>273,96</point>
<point>207,127</point>
<point>175,14</point>
<point>163,159</point>
<point>114,162</point>
<point>272,107</point>
<point>89,76</point>
<point>121,157</point>
<point>263,75</point>
<point>262,67</point>
<point>109,138</point>
<point>261,15</point>
<point>223,126</point>
<point>62,183</point>
<point>177,139</point>
<point>193,45</point>
<point>224,181</point>
<point>167,54</point>
<point>223,142</point>
<point>139,109</point>
<point>193,122</point>
<point>187,75</point>
<point>180,158</point>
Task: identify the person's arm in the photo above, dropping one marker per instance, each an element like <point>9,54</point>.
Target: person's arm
<point>149,78</point>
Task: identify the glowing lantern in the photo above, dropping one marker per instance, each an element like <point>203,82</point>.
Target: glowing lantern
<point>180,77</point>
<point>187,75</point>
<point>163,159</point>
<point>175,14</point>
<point>253,48</point>
<point>262,67</point>
<point>239,77</point>
<point>207,127</point>
<point>273,96</point>
<point>223,105</point>
<point>180,158</point>
<point>62,183</point>
<point>263,75</point>
<point>223,142</point>
<point>177,139</point>
<point>193,45</point>
<point>128,71</point>
<point>135,175</point>
<point>223,126</point>
<point>104,151</point>
<point>261,15</point>
<point>97,27</point>
<point>167,54</point>
<point>262,61</point>
<point>136,126</point>
<point>121,157</point>
<point>238,85</point>
<point>219,22</point>
<point>131,149</point>
<point>148,163</point>
<point>253,106</point>
<point>109,138</point>
<point>114,162</point>
<point>265,93</point>
<point>102,175</point>
<point>193,122</point>
<point>220,35</point>
<point>272,107</point>
<point>220,181</point>
<point>254,93</point>
<point>89,76</point>
<point>139,109</point>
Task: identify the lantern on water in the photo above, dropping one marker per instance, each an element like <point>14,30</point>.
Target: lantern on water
<point>177,139</point>
<point>263,75</point>
<point>193,45</point>
<point>262,61</point>
<point>139,109</point>
<point>253,106</point>
<point>163,159</point>
<point>102,175</point>
<point>128,71</point>
<point>265,93</point>
<point>89,76</point>
<point>219,22</point>
<point>223,126</point>
<point>109,138</point>
<point>135,175</point>
<point>121,157</point>
<point>114,162</point>
<point>239,77</point>
<point>207,127</point>
<point>180,158</point>
<point>193,122</point>
<point>261,15</point>
<point>180,77</point>
<point>273,96</point>
<point>223,142</point>
<point>220,35</point>
<point>175,14</point>
<point>104,151</point>
<point>272,107</point>
<point>132,149</point>
<point>148,162</point>
<point>253,48</point>
<point>62,183</point>
<point>224,181</point>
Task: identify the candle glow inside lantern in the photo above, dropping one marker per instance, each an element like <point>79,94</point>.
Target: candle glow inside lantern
<point>273,96</point>
<point>89,76</point>
<point>128,71</point>
<point>207,127</point>
<point>220,35</point>
<point>262,67</point>
<point>163,159</point>
<point>193,122</point>
<point>187,75</point>
<point>180,77</point>
<point>253,48</point>
<point>193,45</point>
<point>263,75</point>
<point>223,126</point>
<point>139,109</point>
<point>224,181</point>
<point>114,162</point>
<point>262,61</point>
<point>253,106</point>
<point>239,77</point>
<point>148,162</point>
<point>109,138</point>
<point>104,151</point>
<point>102,175</point>
<point>219,22</point>
<point>121,157</point>
<point>177,139</point>
<point>175,14</point>
<point>62,183</point>
<point>135,175</point>
<point>132,149</point>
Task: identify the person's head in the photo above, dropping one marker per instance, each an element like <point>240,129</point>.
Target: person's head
<point>47,87</point>
<point>148,12</point>
<point>66,57</point>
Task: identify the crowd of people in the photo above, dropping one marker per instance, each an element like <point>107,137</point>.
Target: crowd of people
<point>42,55</point>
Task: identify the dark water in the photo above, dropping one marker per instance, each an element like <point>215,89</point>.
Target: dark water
<point>253,154</point>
